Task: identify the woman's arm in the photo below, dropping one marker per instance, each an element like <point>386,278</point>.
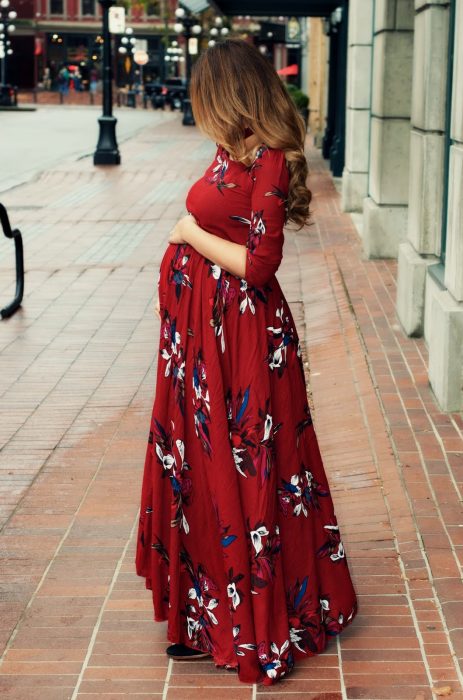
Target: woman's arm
<point>257,260</point>
<point>228,255</point>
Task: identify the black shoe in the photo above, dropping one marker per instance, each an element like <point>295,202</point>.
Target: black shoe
<point>180,652</point>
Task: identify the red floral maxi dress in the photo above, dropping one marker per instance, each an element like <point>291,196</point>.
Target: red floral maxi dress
<point>237,537</point>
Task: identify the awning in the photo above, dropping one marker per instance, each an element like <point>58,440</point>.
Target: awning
<point>293,69</point>
<point>195,6</point>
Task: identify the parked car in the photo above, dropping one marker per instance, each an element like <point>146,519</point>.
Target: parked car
<point>8,96</point>
<point>156,92</point>
<point>175,92</point>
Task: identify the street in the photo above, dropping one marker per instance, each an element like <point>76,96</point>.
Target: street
<point>33,141</point>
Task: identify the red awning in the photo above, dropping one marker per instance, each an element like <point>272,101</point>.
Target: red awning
<point>293,69</point>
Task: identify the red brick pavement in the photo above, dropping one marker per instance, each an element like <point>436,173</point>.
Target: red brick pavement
<point>77,367</point>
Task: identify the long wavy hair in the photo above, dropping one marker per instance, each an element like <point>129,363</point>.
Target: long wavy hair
<point>234,87</point>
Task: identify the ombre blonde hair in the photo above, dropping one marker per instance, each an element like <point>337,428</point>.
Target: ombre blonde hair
<point>234,87</point>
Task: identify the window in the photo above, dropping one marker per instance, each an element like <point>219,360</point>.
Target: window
<point>88,7</point>
<point>153,8</point>
<point>77,47</point>
<point>56,7</point>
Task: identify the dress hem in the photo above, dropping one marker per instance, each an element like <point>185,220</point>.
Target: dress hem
<point>264,679</point>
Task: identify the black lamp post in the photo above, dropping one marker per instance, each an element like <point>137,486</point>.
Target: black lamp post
<point>6,27</point>
<point>188,26</point>
<point>107,151</point>
<point>217,31</point>
<point>127,48</point>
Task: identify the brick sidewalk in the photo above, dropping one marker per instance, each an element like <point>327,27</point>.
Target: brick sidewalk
<point>78,365</point>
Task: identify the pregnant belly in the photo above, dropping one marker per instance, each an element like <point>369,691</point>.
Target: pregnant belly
<point>183,269</point>
<point>179,266</point>
<point>176,257</point>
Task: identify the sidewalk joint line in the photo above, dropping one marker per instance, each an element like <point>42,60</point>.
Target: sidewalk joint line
<point>96,627</point>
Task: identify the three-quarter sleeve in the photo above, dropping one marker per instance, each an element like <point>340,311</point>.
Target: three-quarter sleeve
<point>264,246</point>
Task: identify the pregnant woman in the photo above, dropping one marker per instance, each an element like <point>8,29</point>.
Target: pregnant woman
<point>238,540</point>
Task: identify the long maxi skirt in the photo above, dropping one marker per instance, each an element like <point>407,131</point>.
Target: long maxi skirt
<point>238,540</point>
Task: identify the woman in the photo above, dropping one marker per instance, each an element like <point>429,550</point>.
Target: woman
<point>238,540</point>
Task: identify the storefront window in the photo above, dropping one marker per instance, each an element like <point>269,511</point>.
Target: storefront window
<point>88,7</point>
<point>153,8</point>
<point>77,48</point>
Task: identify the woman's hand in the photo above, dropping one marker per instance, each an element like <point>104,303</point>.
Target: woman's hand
<point>226,254</point>
<point>179,233</point>
<point>157,308</point>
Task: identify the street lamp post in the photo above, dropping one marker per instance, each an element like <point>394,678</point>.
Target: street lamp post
<point>6,28</point>
<point>127,47</point>
<point>189,27</point>
<point>217,31</point>
<point>107,151</point>
<point>36,61</point>
<point>174,55</point>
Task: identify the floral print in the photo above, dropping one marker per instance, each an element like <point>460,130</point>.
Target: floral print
<point>201,402</point>
<point>252,444</point>
<point>300,493</point>
<point>333,547</point>
<point>266,548</point>
<point>177,272</point>
<point>200,605</point>
<point>223,299</point>
<point>280,337</point>
<point>219,171</point>
<point>275,661</point>
<point>239,647</point>
<point>304,617</point>
<point>174,467</point>
<point>172,351</point>
<point>238,540</point>
<point>233,591</point>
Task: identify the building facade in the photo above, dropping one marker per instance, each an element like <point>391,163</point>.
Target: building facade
<point>404,165</point>
<point>53,33</point>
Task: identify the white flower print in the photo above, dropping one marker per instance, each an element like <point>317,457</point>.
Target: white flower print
<point>339,553</point>
<point>239,647</point>
<point>234,595</point>
<point>246,301</point>
<point>238,460</point>
<point>267,427</point>
<point>193,594</point>
<point>273,663</point>
<point>216,271</point>
<point>166,355</point>
<point>192,626</point>
<point>256,537</point>
<point>167,460</point>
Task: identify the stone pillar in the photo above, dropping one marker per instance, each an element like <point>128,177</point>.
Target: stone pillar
<point>385,208</point>
<point>318,43</point>
<point>444,333</point>
<point>422,246</point>
<point>359,60</point>
<point>305,52</point>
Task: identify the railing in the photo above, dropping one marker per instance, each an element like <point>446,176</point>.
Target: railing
<point>18,244</point>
